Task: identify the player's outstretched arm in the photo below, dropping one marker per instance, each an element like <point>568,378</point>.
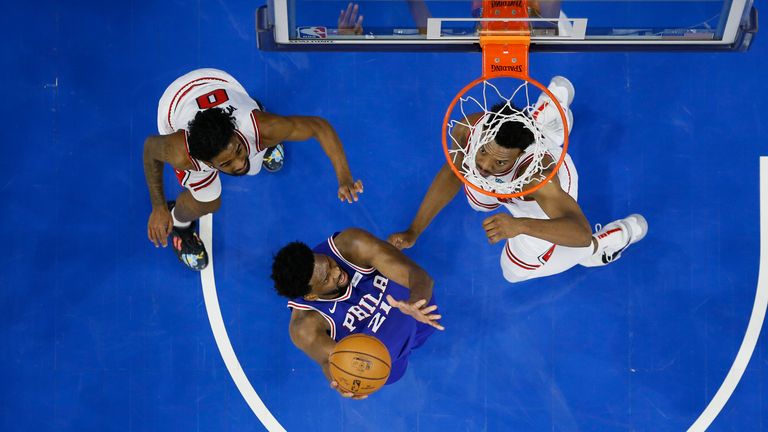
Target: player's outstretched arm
<point>365,249</point>
<point>567,225</point>
<point>276,129</point>
<point>309,333</point>
<point>444,187</point>
<point>157,151</point>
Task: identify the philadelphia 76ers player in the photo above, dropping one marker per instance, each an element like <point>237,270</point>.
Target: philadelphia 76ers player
<point>355,283</point>
<point>209,125</point>
<point>546,231</point>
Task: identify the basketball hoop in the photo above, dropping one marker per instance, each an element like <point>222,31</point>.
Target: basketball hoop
<point>505,41</point>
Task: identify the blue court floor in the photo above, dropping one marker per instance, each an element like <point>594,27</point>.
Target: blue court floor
<point>102,332</point>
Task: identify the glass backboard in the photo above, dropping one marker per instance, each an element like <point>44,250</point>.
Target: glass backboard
<point>567,25</point>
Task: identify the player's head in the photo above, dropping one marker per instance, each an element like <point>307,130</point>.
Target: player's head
<point>212,139</point>
<point>297,272</point>
<point>513,137</point>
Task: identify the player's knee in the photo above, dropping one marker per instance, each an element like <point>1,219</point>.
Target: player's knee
<point>204,208</point>
<point>213,206</point>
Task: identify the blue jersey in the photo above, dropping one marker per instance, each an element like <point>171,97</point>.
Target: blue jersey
<point>363,308</point>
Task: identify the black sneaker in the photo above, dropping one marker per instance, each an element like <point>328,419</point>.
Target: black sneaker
<point>273,158</point>
<point>189,249</point>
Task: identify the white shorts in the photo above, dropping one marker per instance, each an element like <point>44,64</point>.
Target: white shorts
<point>522,258</point>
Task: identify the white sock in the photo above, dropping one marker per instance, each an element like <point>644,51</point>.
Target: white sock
<point>177,223</point>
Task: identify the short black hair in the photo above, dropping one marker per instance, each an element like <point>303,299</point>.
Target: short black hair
<point>512,134</point>
<point>292,268</point>
<point>210,132</point>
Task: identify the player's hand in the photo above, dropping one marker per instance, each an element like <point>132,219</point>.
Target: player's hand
<point>335,386</point>
<point>159,226</point>
<point>418,310</point>
<point>348,191</point>
<point>403,240</point>
<point>349,22</point>
<point>501,226</point>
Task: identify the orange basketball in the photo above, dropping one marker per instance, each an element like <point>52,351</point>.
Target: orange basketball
<point>360,364</point>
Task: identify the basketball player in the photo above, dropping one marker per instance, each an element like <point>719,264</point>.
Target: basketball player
<point>545,232</point>
<point>209,125</point>
<point>355,283</point>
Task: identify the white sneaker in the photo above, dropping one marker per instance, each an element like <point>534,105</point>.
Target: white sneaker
<point>546,114</point>
<point>559,81</point>
<point>615,237</point>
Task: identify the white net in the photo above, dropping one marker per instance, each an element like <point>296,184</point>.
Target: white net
<point>484,130</point>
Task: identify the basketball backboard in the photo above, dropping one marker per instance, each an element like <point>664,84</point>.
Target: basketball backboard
<point>567,25</point>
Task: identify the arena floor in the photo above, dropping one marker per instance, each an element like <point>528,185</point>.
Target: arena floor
<point>103,332</point>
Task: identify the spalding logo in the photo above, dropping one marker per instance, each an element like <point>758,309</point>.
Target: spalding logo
<point>516,68</point>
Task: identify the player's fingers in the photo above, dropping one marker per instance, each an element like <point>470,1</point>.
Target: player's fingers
<point>349,194</point>
<point>419,303</point>
<point>347,13</point>
<point>392,301</point>
<point>436,325</point>
<point>488,222</point>
<point>360,397</point>
<point>353,192</point>
<point>359,25</point>
<point>434,317</point>
<point>429,309</point>
<point>344,194</point>
<point>152,236</point>
<point>359,186</point>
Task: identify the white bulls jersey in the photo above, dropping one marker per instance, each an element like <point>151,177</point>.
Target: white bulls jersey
<point>523,207</point>
<point>199,90</point>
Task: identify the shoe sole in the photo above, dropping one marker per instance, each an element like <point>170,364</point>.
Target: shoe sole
<point>562,81</point>
<point>640,221</point>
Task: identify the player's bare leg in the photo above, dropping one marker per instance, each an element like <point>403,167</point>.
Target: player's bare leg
<point>189,209</point>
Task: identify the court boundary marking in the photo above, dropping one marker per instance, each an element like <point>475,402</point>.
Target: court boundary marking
<point>704,420</point>
<point>752,334</point>
<point>222,338</point>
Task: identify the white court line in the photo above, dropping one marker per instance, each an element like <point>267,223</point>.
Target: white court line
<point>222,339</point>
<point>701,424</point>
<point>755,321</point>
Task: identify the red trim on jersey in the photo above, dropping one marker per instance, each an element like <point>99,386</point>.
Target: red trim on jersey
<point>186,146</point>
<point>570,181</point>
<point>175,103</point>
<point>517,261</point>
<point>256,133</point>
<point>245,141</point>
<point>520,165</point>
<point>478,203</point>
<point>181,176</point>
<point>292,304</point>
<point>208,180</point>
<point>338,254</point>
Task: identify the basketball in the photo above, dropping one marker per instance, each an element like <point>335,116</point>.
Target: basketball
<point>360,364</point>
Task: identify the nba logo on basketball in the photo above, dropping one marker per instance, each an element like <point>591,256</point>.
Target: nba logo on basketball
<point>314,32</point>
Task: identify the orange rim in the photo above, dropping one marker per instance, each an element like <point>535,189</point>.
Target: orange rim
<point>458,173</point>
